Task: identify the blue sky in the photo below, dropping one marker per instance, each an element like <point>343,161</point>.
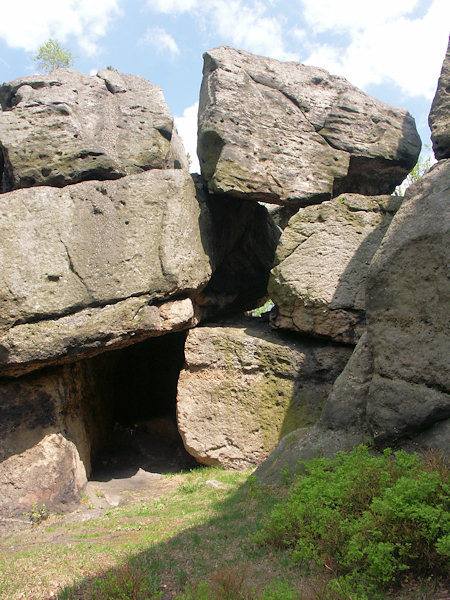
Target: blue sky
<point>393,49</point>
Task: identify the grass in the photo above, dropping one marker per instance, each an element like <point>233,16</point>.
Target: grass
<point>195,543</point>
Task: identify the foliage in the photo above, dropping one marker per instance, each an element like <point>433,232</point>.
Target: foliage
<point>265,308</point>
<point>196,541</point>
<point>37,513</point>
<point>423,164</point>
<point>52,55</point>
<point>230,584</point>
<point>369,520</point>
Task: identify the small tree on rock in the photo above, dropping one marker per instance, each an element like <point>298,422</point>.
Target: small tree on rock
<point>52,55</point>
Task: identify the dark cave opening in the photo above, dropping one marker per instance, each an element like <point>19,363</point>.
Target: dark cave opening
<point>141,411</point>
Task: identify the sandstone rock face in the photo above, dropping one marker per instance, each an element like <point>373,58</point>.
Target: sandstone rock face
<point>345,408</point>
<point>66,127</point>
<point>50,423</point>
<point>394,390</point>
<point>408,294</point>
<point>244,387</point>
<point>287,133</point>
<point>440,109</point>
<point>318,283</point>
<point>94,264</point>
<point>240,239</point>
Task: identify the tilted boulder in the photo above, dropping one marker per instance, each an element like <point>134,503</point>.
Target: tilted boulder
<point>95,265</point>
<point>65,127</point>
<point>318,283</point>
<point>287,133</point>
<point>439,119</point>
<point>244,387</point>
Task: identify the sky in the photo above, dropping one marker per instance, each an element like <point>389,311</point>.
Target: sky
<point>392,49</point>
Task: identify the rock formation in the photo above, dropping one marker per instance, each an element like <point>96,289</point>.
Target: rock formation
<point>113,251</point>
<point>86,267</point>
<point>291,134</point>
<point>97,264</point>
<point>67,127</point>
<point>438,119</point>
<point>51,423</point>
<point>244,386</point>
<point>318,283</point>
<point>395,389</point>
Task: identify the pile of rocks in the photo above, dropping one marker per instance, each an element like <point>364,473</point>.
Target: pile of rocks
<point>395,389</point>
<point>107,240</point>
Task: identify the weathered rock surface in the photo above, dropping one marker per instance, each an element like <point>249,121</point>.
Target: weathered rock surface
<point>240,239</point>
<point>395,388</point>
<point>50,423</point>
<point>408,294</point>
<point>96,264</point>
<point>65,127</point>
<point>287,133</point>
<point>439,120</point>
<point>318,283</point>
<point>245,386</point>
<point>305,444</point>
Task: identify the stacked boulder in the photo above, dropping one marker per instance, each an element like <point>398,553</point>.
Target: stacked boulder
<point>100,248</point>
<point>312,143</point>
<point>107,240</point>
<point>395,389</point>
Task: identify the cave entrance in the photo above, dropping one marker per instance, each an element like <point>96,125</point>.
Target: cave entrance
<point>142,432</point>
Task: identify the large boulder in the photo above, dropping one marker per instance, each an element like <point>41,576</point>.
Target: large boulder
<point>50,424</point>
<point>439,118</point>
<point>97,264</point>
<point>395,389</point>
<point>244,387</point>
<point>65,127</point>
<point>407,298</point>
<point>287,133</point>
<point>318,283</point>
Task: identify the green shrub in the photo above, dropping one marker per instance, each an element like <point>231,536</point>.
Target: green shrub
<point>370,520</point>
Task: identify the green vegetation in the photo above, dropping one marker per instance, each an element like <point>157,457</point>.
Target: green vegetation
<point>351,528</point>
<point>52,55</point>
<point>265,308</point>
<point>37,514</point>
<point>371,521</point>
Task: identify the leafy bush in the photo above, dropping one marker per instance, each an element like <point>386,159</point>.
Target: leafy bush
<point>370,520</point>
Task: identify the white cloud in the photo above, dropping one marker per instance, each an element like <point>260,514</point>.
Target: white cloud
<point>161,40</point>
<point>187,128</point>
<point>385,44</point>
<point>353,15</point>
<point>238,22</point>
<point>169,7</point>
<point>27,24</point>
<point>248,27</point>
